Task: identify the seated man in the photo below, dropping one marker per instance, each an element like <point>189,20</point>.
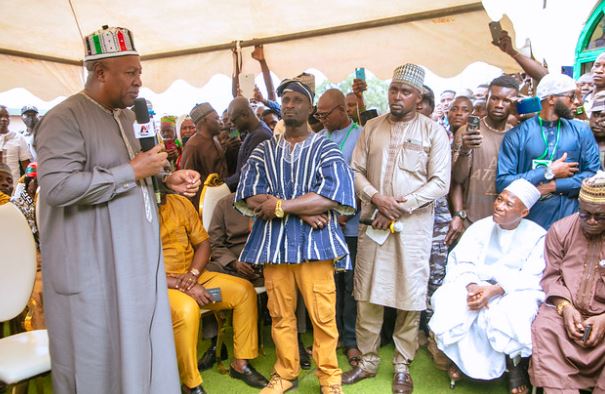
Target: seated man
<point>569,351</point>
<point>186,253</point>
<point>491,293</point>
<point>6,183</point>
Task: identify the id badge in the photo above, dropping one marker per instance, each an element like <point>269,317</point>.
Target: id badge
<point>537,163</point>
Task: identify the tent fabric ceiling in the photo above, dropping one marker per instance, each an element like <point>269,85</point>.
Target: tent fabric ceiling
<point>446,44</point>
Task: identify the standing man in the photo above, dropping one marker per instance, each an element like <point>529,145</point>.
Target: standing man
<point>598,80</point>
<point>401,165</point>
<point>552,151</point>
<point>296,185</point>
<point>245,121</point>
<point>105,295</point>
<point>29,115</point>
<point>203,152</point>
<point>339,128</point>
<point>13,147</point>
<point>597,123</point>
<point>474,173</point>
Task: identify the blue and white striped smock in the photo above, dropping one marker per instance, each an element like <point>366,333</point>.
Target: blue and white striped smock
<point>314,165</point>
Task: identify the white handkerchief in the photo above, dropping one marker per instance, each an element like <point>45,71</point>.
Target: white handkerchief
<point>378,236</point>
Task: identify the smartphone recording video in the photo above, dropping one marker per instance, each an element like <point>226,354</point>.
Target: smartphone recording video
<point>496,29</point>
<point>472,124</point>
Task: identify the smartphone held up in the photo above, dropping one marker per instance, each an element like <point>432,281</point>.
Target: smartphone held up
<point>496,29</point>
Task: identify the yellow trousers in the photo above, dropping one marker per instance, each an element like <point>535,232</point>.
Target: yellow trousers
<point>315,280</point>
<point>238,294</point>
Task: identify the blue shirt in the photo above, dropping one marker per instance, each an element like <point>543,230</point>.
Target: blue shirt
<point>524,143</point>
<point>314,165</point>
<point>346,139</point>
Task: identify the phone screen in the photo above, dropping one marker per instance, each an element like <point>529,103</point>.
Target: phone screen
<point>472,124</point>
<point>360,73</point>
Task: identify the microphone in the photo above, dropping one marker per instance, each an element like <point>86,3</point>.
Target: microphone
<point>145,133</point>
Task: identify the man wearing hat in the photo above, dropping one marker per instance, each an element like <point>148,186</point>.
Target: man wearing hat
<point>491,293</point>
<point>203,152</point>
<point>569,330</point>
<point>105,298</point>
<point>296,184</point>
<point>552,151</point>
<point>402,165</point>
<point>29,115</point>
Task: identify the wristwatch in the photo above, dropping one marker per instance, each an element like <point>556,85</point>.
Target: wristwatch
<point>195,272</point>
<point>461,214</point>
<point>278,211</point>
<point>548,174</point>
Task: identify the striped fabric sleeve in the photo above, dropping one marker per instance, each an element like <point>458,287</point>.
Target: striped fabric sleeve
<point>334,180</point>
<point>253,181</point>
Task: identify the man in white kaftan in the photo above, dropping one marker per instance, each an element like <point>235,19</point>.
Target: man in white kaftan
<point>491,292</point>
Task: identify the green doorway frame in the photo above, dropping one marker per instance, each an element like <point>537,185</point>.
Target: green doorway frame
<point>586,56</point>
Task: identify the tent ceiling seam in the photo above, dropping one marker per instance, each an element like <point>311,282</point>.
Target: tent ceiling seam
<point>400,19</point>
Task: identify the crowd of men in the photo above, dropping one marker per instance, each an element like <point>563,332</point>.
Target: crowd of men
<point>464,223</point>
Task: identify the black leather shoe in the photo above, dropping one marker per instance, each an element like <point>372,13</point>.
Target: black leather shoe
<point>355,375</point>
<point>196,390</point>
<point>209,357</point>
<point>303,355</point>
<point>249,375</point>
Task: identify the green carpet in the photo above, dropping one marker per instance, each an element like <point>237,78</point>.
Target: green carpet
<point>427,379</point>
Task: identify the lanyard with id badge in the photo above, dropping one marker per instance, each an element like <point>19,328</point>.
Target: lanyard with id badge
<point>544,160</point>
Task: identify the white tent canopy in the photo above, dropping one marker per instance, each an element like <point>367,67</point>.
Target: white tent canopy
<point>41,44</point>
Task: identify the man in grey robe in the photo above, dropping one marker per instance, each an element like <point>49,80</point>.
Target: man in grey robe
<point>105,294</point>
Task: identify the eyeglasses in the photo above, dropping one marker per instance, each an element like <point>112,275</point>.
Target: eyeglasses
<point>585,215</point>
<point>323,115</point>
<point>570,96</point>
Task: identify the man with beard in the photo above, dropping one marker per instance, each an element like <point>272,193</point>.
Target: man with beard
<point>29,115</point>
<point>552,151</point>
<point>597,123</point>
<point>474,175</point>
<point>295,185</point>
<point>203,152</point>
<point>401,165</point>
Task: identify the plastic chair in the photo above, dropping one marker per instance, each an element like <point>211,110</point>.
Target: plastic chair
<point>22,356</point>
<point>214,189</point>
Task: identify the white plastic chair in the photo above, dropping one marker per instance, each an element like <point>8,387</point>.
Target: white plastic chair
<point>25,355</point>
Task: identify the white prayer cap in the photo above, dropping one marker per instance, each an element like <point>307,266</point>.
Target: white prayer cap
<point>553,84</point>
<point>524,191</point>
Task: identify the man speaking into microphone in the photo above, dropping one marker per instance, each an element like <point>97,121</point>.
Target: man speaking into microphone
<point>105,296</point>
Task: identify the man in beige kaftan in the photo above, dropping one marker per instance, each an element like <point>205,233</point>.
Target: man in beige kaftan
<point>401,165</point>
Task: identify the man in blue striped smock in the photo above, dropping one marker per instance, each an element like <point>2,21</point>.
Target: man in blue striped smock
<point>296,185</point>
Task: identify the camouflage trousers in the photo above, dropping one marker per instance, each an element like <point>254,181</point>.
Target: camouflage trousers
<point>438,259</point>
